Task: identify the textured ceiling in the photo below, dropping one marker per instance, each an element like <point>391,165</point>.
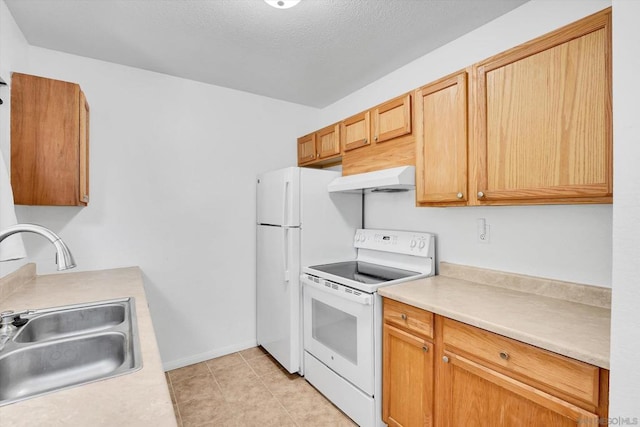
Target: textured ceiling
<point>312,54</point>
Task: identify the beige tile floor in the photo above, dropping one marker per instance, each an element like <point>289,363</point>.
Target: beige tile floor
<point>248,388</point>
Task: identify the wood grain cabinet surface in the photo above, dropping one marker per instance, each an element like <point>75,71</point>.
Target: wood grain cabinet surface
<point>379,138</point>
<point>445,373</point>
<point>442,141</point>
<point>49,142</point>
<point>407,397</point>
<point>320,148</point>
<point>543,131</point>
<point>531,125</point>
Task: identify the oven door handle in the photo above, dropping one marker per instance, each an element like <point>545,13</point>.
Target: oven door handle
<point>362,298</point>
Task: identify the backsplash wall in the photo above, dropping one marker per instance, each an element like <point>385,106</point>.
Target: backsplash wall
<point>571,243</point>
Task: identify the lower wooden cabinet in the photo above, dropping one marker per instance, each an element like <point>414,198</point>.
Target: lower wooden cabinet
<point>440,372</point>
<point>473,394</point>
<point>407,378</point>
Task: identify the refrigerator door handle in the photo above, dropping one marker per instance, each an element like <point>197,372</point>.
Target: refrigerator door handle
<point>285,199</point>
<point>285,252</point>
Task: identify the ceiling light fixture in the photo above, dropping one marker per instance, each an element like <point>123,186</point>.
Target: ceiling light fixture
<point>282,4</point>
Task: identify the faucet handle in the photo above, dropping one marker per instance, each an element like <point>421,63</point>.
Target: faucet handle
<point>7,317</point>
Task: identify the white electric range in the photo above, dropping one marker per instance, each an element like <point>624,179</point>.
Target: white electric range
<point>343,317</point>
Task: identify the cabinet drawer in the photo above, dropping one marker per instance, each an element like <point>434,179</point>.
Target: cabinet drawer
<point>572,377</point>
<point>409,318</point>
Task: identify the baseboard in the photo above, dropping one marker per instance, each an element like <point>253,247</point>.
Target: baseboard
<point>197,358</point>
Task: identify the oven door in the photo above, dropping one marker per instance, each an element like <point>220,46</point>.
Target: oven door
<point>338,330</point>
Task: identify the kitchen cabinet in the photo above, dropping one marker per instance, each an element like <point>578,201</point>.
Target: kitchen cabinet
<point>356,131</point>
<point>320,148</point>
<point>476,378</point>
<point>442,142</point>
<point>542,119</point>
<point>392,119</point>
<point>379,138</point>
<point>531,125</point>
<point>49,142</point>
<point>407,397</point>
<point>504,382</point>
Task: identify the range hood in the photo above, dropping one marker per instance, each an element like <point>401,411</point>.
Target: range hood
<point>391,180</point>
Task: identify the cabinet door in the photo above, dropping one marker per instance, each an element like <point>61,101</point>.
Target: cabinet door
<point>328,141</point>
<point>441,162</point>
<point>407,389</point>
<point>45,126</point>
<point>474,395</point>
<point>306,149</point>
<point>392,119</point>
<point>544,118</point>
<point>355,131</point>
<point>84,150</point>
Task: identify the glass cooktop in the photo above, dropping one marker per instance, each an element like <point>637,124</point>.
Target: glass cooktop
<point>364,272</point>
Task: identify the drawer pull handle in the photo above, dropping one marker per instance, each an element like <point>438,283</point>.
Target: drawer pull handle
<point>445,359</point>
<point>504,355</point>
<point>425,348</point>
<point>403,316</point>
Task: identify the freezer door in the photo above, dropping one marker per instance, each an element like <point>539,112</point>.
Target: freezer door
<point>278,294</point>
<point>278,197</point>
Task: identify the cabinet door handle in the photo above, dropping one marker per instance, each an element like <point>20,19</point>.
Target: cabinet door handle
<point>445,359</point>
<point>480,194</point>
<point>425,348</point>
<point>375,138</point>
<point>366,141</point>
<point>459,195</point>
<point>504,355</point>
<point>403,316</point>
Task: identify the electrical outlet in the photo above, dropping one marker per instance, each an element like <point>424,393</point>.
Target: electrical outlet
<point>483,231</point>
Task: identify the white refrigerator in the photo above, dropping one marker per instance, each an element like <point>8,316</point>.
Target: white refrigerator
<point>299,223</point>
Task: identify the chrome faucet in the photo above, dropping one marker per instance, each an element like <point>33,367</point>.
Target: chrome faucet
<point>64,259</point>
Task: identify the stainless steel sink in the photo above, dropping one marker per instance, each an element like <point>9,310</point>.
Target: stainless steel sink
<point>68,346</point>
<point>58,324</point>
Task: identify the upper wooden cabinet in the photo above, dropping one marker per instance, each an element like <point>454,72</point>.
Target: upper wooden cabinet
<point>320,148</point>
<point>531,125</point>
<point>328,141</point>
<point>392,119</point>
<point>49,142</point>
<point>356,131</point>
<point>543,119</point>
<point>379,138</point>
<point>441,144</point>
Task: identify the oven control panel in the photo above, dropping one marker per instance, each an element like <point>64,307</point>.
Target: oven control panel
<point>402,242</point>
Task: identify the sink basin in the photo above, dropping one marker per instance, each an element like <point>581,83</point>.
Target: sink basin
<point>61,323</point>
<point>68,346</point>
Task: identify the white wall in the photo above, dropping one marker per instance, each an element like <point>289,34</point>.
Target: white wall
<point>13,53</point>
<point>570,243</point>
<point>173,167</point>
<point>625,324</point>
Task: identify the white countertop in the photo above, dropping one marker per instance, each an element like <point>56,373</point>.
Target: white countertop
<point>137,399</point>
<point>570,328</point>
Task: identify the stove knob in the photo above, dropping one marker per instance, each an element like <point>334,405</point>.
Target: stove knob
<point>422,243</point>
<point>412,243</point>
